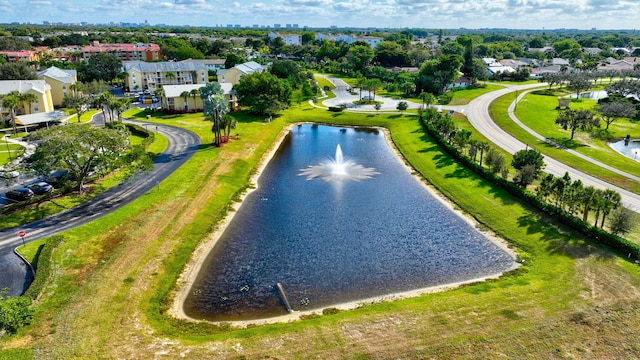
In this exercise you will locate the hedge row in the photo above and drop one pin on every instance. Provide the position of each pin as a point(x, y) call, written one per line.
point(624, 246)
point(42, 265)
point(137, 130)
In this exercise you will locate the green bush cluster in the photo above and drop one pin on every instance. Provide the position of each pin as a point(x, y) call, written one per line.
point(615, 242)
point(335, 108)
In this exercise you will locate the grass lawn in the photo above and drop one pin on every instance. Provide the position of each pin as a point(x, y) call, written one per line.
point(543, 115)
point(570, 298)
point(9, 151)
point(463, 97)
point(84, 118)
point(538, 112)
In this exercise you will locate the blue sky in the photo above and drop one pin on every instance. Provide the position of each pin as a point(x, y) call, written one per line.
point(447, 14)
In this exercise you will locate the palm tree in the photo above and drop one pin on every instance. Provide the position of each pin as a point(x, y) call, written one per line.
point(374, 85)
point(159, 93)
point(361, 83)
point(185, 96)
point(612, 201)
point(29, 98)
point(427, 99)
point(12, 102)
point(171, 76)
point(482, 146)
point(194, 93)
point(586, 199)
point(228, 122)
point(215, 105)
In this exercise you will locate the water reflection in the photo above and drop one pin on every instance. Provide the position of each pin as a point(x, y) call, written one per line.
point(384, 235)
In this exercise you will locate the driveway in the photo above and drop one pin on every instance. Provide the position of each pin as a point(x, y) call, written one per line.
point(13, 273)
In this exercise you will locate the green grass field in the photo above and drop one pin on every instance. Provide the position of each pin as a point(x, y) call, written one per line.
point(103, 265)
point(538, 115)
point(106, 297)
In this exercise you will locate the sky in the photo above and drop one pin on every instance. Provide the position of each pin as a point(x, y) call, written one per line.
point(430, 14)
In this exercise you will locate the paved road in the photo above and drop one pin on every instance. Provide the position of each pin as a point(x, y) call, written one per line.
point(343, 96)
point(477, 111)
point(14, 274)
point(478, 114)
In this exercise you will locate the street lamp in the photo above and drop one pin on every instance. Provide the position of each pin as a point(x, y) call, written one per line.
point(515, 107)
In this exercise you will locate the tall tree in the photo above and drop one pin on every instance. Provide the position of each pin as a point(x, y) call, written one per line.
point(185, 97)
point(28, 99)
point(436, 74)
point(614, 110)
point(194, 94)
point(101, 66)
point(17, 71)
point(622, 221)
point(215, 106)
point(79, 149)
point(531, 157)
point(12, 102)
point(579, 82)
point(263, 92)
point(573, 120)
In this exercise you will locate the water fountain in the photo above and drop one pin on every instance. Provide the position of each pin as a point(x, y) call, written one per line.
point(338, 169)
point(337, 240)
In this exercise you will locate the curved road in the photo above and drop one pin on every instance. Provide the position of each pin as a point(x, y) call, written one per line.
point(478, 114)
point(14, 274)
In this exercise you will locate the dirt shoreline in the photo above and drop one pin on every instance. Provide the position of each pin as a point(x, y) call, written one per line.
point(188, 276)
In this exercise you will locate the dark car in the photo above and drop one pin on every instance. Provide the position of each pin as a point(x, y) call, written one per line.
point(19, 194)
point(58, 178)
point(41, 188)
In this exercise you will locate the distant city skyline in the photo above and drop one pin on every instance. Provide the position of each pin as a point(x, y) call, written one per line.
point(431, 14)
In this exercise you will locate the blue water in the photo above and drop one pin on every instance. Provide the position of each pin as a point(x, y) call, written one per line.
point(631, 151)
point(335, 242)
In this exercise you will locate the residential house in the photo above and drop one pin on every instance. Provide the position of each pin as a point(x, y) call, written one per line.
point(289, 39)
point(124, 52)
point(560, 61)
point(233, 75)
point(176, 101)
point(619, 65)
point(60, 81)
point(498, 68)
point(537, 73)
point(39, 88)
point(152, 75)
point(461, 81)
point(21, 56)
point(515, 64)
point(592, 51)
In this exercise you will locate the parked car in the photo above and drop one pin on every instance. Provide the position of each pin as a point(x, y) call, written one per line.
point(41, 188)
point(9, 174)
point(58, 178)
point(19, 194)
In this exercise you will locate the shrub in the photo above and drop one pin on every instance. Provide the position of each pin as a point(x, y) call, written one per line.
point(335, 108)
point(14, 313)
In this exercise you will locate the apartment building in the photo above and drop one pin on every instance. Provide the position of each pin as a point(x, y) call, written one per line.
point(150, 76)
point(125, 52)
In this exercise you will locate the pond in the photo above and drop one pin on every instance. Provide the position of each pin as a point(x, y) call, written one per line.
point(632, 150)
point(594, 95)
point(337, 217)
